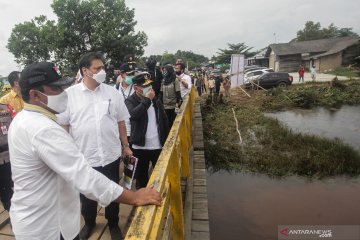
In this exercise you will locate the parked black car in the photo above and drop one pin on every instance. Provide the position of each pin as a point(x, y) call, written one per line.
point(272, 79)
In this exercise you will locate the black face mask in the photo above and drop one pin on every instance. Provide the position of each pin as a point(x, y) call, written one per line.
point(178, 73)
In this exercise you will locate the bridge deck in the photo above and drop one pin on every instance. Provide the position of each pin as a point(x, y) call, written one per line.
point(196, 215)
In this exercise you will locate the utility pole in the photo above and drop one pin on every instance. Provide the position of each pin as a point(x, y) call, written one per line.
point(275, 37)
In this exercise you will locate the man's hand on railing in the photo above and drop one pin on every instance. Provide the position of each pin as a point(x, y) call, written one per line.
point(147, 196)
point(143, 196)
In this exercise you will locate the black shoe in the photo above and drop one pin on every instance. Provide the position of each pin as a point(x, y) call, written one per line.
point(86, 231)
point(115, 233)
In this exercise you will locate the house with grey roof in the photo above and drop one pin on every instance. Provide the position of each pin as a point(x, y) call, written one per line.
point(325, 54)
point(259, 59)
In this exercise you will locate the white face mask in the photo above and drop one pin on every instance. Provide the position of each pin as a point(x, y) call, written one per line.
point(58, 103)
point(100, 76)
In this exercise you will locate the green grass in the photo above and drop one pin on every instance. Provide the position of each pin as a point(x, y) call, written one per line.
point(270, 147)
point(312, 95)
point(344, 71)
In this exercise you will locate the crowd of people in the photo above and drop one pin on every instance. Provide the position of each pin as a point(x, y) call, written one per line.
point(69, 136)
point(211, 84)
point(63, 139)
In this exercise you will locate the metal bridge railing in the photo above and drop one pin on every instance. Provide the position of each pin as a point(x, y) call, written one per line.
point(167, 221)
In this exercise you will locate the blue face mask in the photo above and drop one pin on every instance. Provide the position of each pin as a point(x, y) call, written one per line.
point(129, 80)
point(146, 89)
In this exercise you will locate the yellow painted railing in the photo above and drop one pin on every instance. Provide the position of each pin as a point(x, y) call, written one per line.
point(167, 221)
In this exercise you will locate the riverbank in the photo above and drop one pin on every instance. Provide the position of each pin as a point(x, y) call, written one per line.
point(270, 147)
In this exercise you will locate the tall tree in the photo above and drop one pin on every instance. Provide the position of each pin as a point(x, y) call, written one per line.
point(97, 25)
point(191, 57)
point(168, 58)
point(224, 55)
point(313, 31)
point(346, 32)
point(33, 41)
point(83, 25)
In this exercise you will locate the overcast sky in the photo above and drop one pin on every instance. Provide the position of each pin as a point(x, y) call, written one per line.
point(202, 26)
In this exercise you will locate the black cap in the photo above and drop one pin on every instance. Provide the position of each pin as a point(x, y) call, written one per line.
point(126, 68)
point(142, 79)
point(42, 73)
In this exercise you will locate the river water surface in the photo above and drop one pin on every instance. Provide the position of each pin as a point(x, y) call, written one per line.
point(247, 206)
point(251, 206)
point(343, 123)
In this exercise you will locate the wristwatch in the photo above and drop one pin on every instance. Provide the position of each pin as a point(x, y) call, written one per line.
point(126, 145)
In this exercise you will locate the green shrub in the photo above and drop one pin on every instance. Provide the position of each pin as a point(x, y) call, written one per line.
point(343, 71)
point(304, 98)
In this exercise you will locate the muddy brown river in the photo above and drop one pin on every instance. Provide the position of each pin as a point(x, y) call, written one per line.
point(251, 206)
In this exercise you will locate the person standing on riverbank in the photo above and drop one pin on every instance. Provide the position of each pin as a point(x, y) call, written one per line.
point(301, 72)
point(227, 86)
point(211, 85)
point(199, 84)
point(313, 72)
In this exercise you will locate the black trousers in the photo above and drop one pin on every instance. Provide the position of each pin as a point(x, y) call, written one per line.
point(142, 169)
point(199, 90)
point(171, 115)
point(217, 89)
point(204, 88)
point(211, 91)
point(89, 207)
point(6, 185)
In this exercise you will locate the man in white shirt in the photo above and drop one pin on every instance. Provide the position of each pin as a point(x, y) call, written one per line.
point(184, 79)
point(95, 118)
point(149, 126)
point(48, 169)
point(313, 72)
point(126, 88)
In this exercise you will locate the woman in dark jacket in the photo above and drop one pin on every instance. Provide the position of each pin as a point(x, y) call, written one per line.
point(170, 93)
point(149, 126)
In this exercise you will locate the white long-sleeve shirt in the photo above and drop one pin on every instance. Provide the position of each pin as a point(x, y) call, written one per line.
point(93, 117)
point(49, 171)
point(125, 93)
point(313, 71)
point(185, 90)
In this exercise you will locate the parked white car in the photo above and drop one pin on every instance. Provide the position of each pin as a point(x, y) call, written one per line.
point(252, 75)
point(253, 69)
